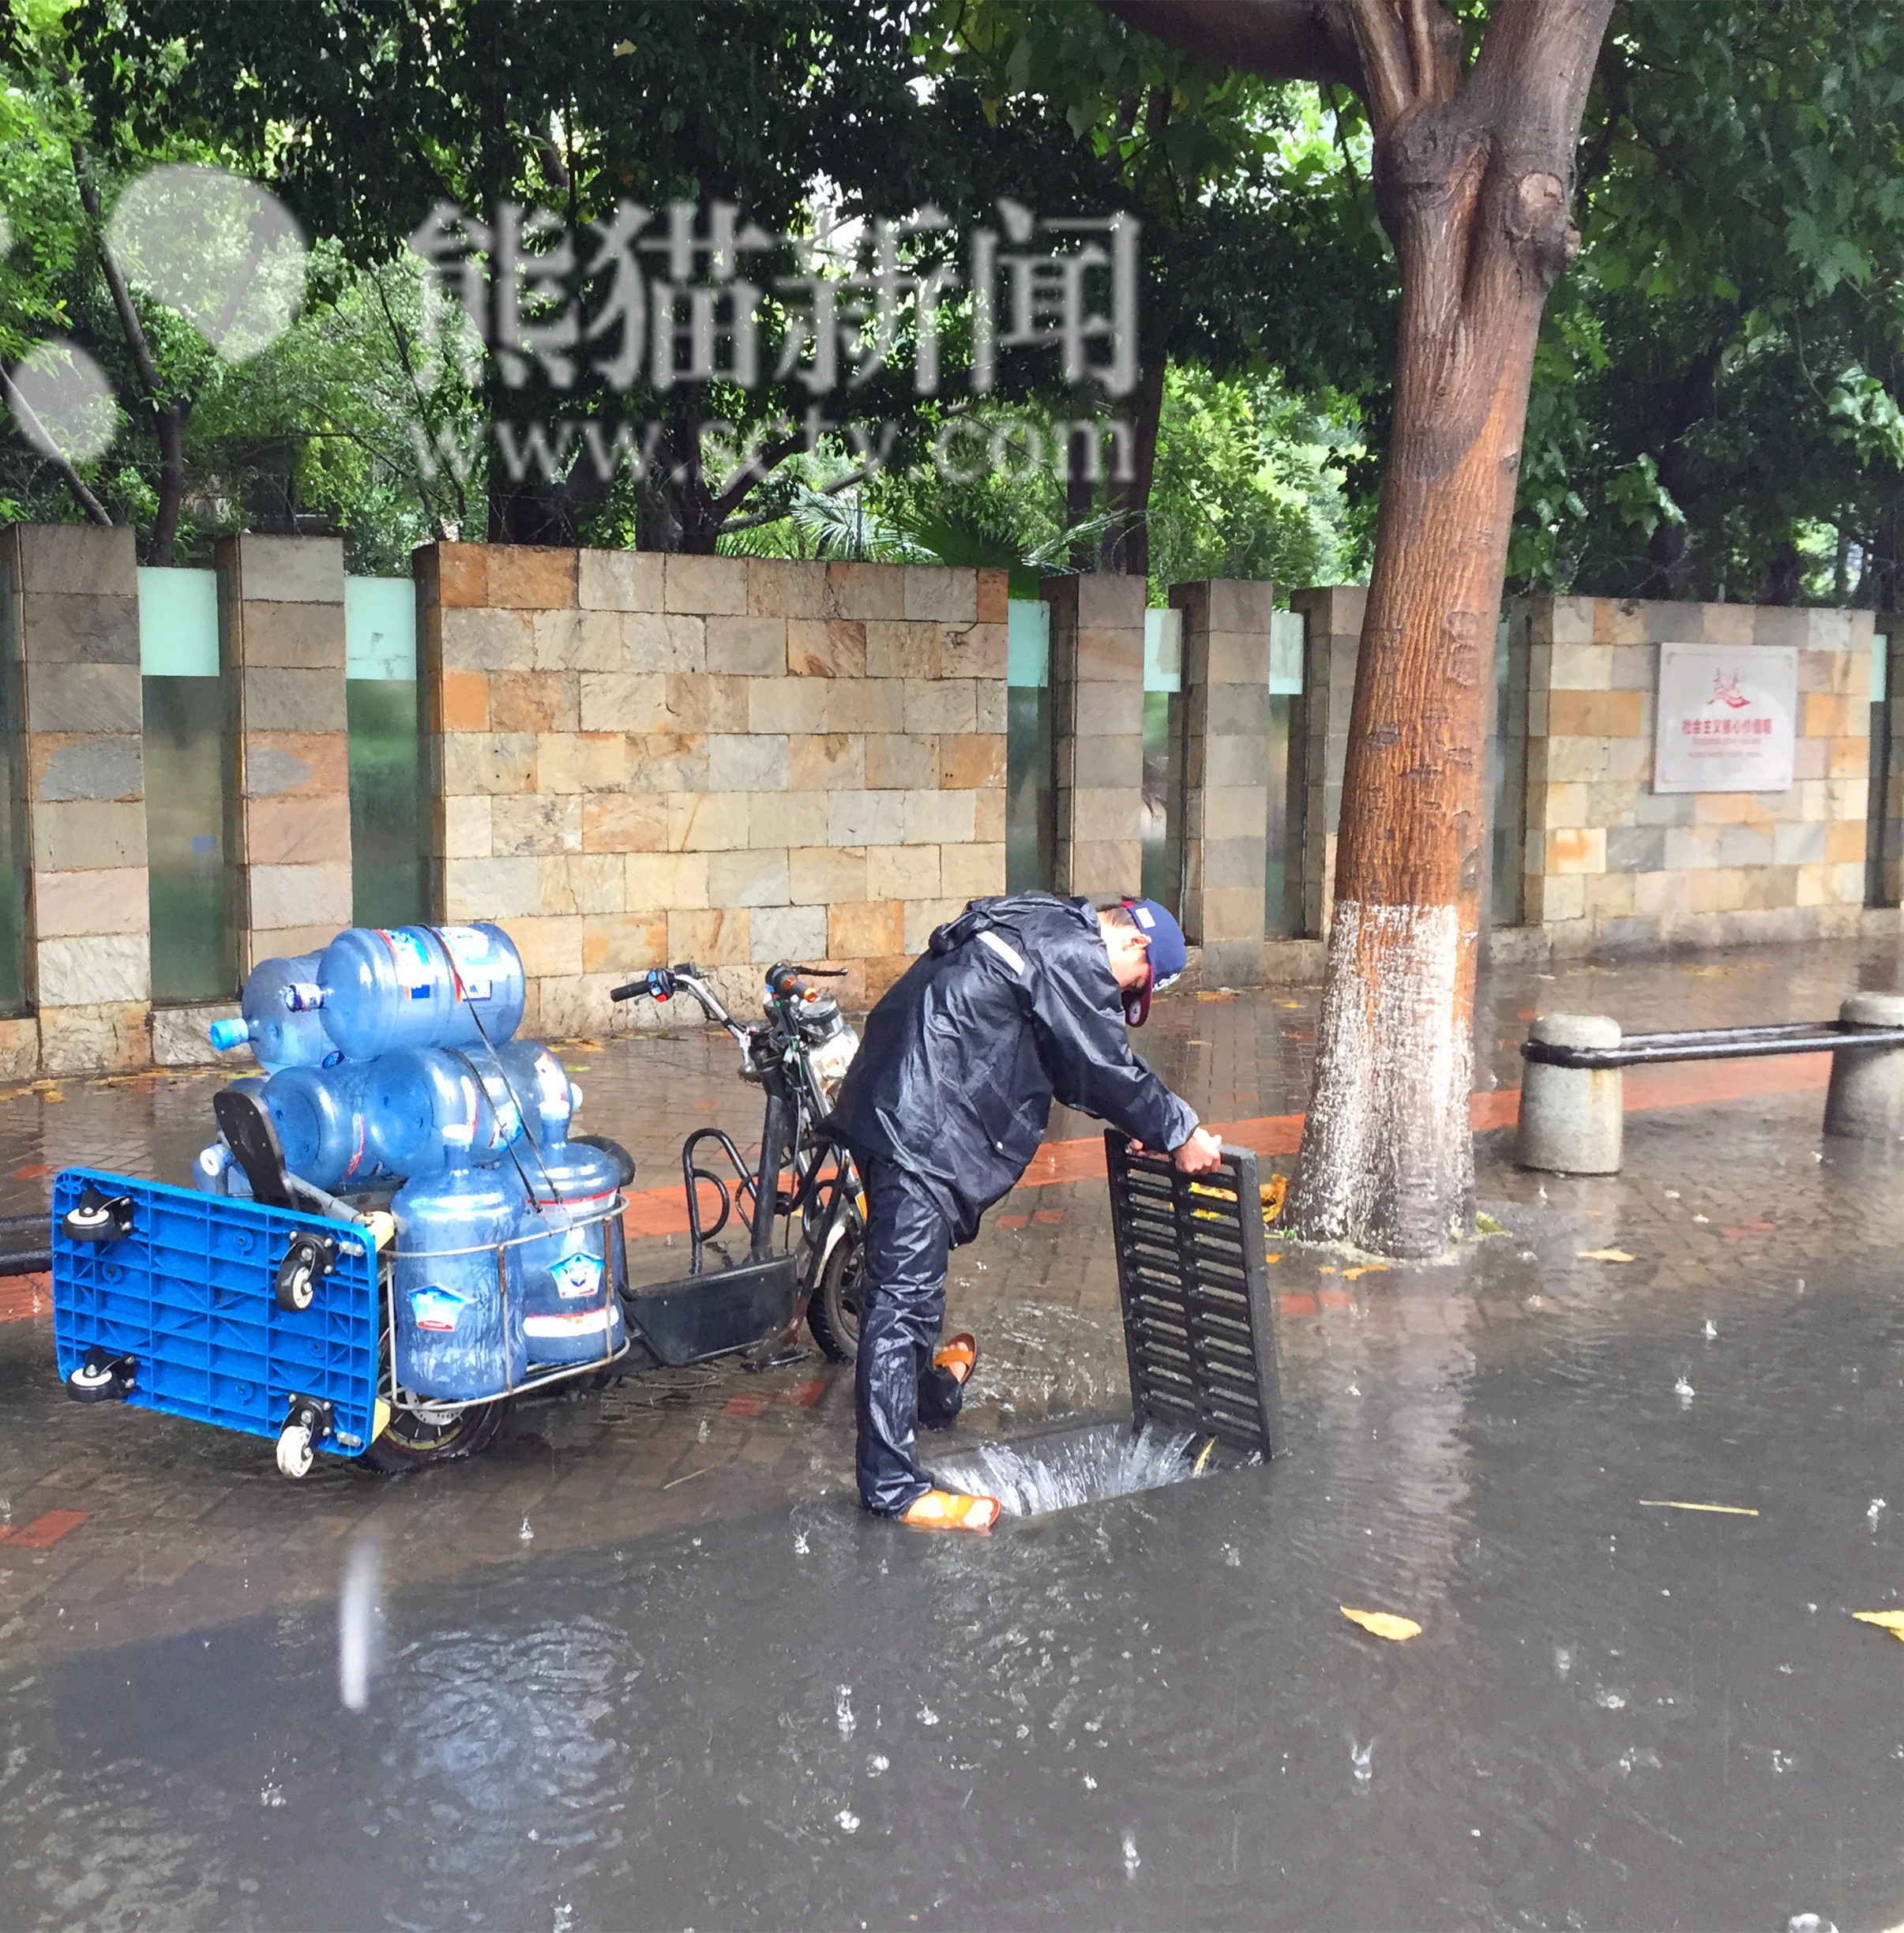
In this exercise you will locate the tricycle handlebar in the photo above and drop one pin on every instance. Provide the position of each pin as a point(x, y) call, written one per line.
point(663, 983)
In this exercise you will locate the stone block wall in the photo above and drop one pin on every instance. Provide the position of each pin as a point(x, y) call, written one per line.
point(1612, 866)
point(281, 626)
point(1226, 803)
point(71, 594)
point(1097, 711)
point(637, 759)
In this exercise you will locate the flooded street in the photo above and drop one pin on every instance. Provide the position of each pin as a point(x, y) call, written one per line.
point(644, 1664)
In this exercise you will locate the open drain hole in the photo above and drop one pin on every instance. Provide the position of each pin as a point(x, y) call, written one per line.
point(1058, 1469)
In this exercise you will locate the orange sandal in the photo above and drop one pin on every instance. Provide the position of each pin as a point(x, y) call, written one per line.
point(951, 1510)
point(958, 1357)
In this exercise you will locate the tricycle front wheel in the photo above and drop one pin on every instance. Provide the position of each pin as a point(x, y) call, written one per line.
point(832, 1314)
point(414, 1440)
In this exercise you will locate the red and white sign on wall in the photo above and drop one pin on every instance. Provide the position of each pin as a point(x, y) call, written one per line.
point(1726, 718)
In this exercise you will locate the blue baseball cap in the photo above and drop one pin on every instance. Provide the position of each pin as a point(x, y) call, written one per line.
point(1169, 953)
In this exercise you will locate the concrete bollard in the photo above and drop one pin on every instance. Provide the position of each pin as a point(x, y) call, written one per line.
point(1865, 1100)
point(1571, 1118)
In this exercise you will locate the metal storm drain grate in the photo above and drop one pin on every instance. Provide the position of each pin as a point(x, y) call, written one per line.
point(1199, 1320)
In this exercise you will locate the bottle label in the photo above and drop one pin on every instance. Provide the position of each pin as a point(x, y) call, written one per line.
point(435, 1309)
point(411, 957)
point(575, 1276)
point(470, 949)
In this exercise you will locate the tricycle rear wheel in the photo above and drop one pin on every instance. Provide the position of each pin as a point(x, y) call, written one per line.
point(413, 1439)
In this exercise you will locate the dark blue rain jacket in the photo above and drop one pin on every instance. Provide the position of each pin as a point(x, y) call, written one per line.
point(1012, 1003)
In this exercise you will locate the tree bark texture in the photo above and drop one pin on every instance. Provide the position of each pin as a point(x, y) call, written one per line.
point(1472, 175)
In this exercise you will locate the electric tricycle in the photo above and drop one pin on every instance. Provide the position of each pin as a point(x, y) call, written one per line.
point(387, 1248)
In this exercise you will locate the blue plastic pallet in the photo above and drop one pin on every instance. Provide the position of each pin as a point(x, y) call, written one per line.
point(190, 1296)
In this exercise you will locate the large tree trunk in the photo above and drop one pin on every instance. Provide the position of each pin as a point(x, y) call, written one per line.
point(1475, 188)
point(1127, 544)
point(1473, 177)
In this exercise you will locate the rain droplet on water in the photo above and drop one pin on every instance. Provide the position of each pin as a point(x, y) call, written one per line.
point(1607, 1699)
point(877, 1763)
point(1683, 1390)
point(705, 1431)
point(1131, 1862)
point(1563, 1660)
point(1360, 1757)
point(800, 1546)
point(928, 1716)
point(1875, 1511)
point(1711, 1329)
point(526, 1535)
point(1232, 1557)
point(843, 1710)
point(357, 1620)
point(1809, 1922)
point(849, 1822)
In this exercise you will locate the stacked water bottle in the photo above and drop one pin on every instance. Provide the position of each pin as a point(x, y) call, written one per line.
point(389, 1057)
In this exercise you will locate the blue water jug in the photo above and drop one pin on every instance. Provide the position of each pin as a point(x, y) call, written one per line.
point(277, 1037)
point(430, 1113)
point(572, 1312)
point(381, 989)
point(527, 1074)
point(456, 1291)
point(323, 1118)
point(214, 1171)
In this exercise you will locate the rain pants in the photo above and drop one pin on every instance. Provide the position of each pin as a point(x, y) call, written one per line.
point(1012, 1004)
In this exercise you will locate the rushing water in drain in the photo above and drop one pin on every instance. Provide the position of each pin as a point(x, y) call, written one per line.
point(1059, 1471)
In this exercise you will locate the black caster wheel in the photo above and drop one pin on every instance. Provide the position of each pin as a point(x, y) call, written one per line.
point(101, 1378)
point(307, 1424)
point(97, 1218)
point(308, 1260)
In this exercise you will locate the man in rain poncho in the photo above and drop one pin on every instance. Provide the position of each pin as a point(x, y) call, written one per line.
point(1016, 1002)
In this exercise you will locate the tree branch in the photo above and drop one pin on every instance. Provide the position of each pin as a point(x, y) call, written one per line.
point(115, 282)
point(1433, 42)
point(1289, 40)
point(825, 489)
point(1384, 56)
point(29, 420)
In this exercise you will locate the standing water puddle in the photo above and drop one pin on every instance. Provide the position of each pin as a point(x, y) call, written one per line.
point(1065, 1467)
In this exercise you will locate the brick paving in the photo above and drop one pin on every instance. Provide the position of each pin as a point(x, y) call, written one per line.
point(116, 1524)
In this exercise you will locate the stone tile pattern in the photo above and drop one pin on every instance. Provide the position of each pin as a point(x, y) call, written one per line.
point(71, 597)
point(1097, 711)
point(281, 630)
point(1225, 700)
point(636, 759)
point(1332, 622)
point(1611, 865)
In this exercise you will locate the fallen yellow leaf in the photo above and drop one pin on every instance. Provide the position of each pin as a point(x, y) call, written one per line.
point(1605, 1255)
point(1382, 1623)
point(1892, 1621)
point(1272, 1257)
point(1367, 1268)
point(1718, 1510)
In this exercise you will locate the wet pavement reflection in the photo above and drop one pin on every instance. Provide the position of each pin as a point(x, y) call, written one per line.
point(645, 1665)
